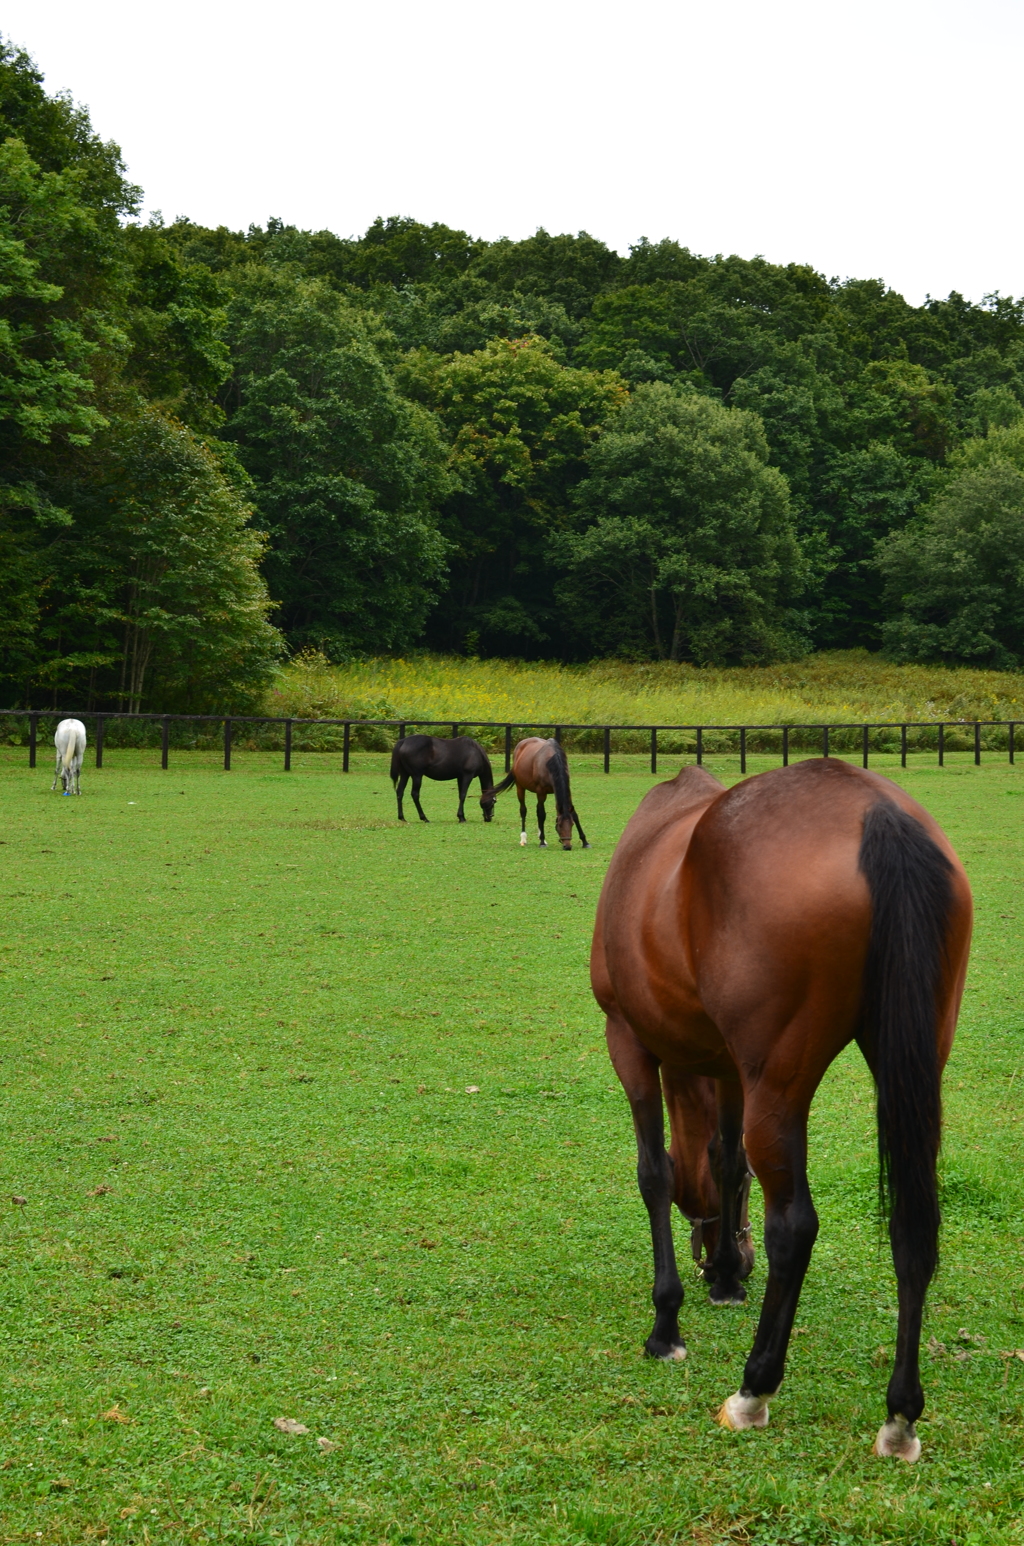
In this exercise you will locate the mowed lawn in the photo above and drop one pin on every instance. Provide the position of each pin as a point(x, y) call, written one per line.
point(242, 1015)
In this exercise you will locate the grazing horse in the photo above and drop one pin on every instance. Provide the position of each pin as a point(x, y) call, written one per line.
point(419, 756)
point(69, 739)
point(541, 766)
point(743, 939)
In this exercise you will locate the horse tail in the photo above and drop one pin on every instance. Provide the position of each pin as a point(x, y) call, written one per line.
point(70, 746)
point(911, 900)
point(558, 767)
point(506, 783)
point(396, 763)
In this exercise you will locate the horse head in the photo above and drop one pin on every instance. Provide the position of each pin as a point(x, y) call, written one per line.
point(563, 826)
point(487, 803)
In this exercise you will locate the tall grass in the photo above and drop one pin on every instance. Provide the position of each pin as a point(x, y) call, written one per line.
point(842, 685)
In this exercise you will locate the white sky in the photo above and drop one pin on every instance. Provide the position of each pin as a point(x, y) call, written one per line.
point(881, 138)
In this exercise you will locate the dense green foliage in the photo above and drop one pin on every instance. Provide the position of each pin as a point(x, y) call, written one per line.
point(257, 1187)
point(129, 572)
point(686, 545)
point(956, 574)
point(430, 431)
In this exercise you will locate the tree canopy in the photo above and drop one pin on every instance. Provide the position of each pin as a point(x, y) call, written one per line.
point(418, 437)
point(686, 543)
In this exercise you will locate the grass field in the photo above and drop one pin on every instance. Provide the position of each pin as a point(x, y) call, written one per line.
point(244, 1013)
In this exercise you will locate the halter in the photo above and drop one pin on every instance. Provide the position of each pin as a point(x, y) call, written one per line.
point(697, 1225)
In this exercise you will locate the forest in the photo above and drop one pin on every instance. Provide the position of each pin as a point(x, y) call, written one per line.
point(219, 449)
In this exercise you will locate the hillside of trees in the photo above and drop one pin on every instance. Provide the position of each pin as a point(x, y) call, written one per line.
point(220, 447)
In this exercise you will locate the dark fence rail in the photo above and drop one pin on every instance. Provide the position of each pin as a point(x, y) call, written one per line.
point(702, 740)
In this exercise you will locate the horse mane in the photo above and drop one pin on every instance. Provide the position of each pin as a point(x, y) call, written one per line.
point(558, 767)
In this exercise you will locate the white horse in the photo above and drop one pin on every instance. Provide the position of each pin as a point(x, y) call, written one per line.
point(69, 739)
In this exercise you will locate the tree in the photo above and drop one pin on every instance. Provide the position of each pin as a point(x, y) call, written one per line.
point(955, 576)
point(153, 594)
point(519, 425)
point(345, 472)
point(686, 545)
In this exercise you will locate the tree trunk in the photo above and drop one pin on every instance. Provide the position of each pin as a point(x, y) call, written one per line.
point(677, 631)
point(654, 623)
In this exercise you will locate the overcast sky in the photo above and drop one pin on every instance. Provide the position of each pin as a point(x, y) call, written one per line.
point(881, 138)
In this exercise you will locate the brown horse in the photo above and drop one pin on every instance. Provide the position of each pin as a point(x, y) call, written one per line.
point(743, 939)
point(541, 766)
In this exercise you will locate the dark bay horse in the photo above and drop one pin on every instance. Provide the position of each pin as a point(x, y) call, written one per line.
point(541, 767)
point(428, 756)
point(743, 939)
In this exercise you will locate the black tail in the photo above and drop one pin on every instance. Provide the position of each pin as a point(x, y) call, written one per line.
point(558, 767)
point(506, 783)
point(396, 763)
point(911, 899)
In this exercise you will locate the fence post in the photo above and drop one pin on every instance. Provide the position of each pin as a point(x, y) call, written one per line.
point(455, 730)
point(743, 748)
point(33, 726)
point(508, 747)
point(99, 740)
point(1011, 742)
point(165, 733)
point(903, 746)
point(977, 743)
point(942, 744)
point(824, 740)
point(700, 745)
point(227, 745)
point(287, 745)
point(785, 746)
point(345, 744)
point(865, 745)
point(558, 734)
point(654, 748)
point(401, 731)
point(607, 748)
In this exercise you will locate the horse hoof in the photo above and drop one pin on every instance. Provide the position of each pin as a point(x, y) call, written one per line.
point(897, 1438)
point(523, 840)
point(665, 1353)
point(542, 843)
point(736, 1295)
point(584, 845)
point(741, 1412)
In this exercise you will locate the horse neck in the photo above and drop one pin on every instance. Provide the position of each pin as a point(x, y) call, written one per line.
point(486, 775)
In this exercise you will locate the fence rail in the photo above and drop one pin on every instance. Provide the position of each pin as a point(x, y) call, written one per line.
point(102, 718)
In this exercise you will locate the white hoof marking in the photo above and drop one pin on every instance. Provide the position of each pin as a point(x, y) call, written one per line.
point(676, 1355)
point(742, 1411)
point(522, 839)
point(897, 1437)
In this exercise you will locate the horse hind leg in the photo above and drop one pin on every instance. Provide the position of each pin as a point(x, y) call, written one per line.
point(400, 791)
point(638, 1074)
point(416, 785)
point(777, 1148)
point(522, 819)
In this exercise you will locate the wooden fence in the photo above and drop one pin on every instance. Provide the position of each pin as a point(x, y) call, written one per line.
point(100, 719)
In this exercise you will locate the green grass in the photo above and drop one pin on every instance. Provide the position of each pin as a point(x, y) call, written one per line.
point(250, 1005)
